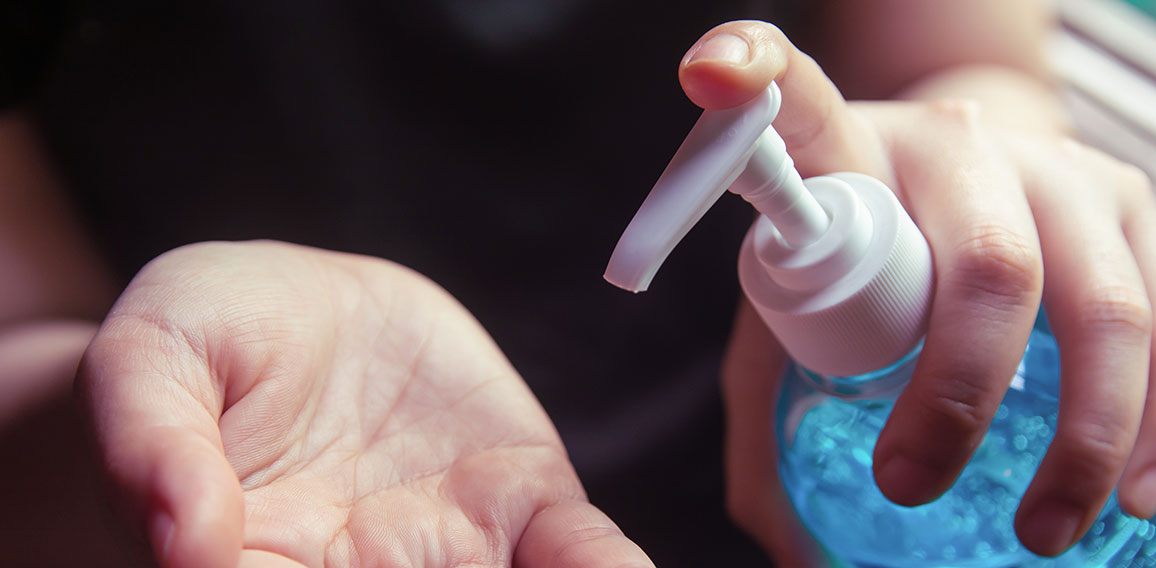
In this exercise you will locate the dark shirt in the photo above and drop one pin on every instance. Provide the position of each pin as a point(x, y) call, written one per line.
point(499, 147)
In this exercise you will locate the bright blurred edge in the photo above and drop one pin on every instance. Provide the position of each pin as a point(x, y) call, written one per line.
point(1105, 53)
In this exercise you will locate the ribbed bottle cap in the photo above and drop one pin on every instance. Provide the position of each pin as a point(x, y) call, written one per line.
point(857, 299)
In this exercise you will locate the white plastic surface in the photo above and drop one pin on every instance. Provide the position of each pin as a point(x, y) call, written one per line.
point(857, 299)
point(773, 186)
point(712, 158)
point(834, 265)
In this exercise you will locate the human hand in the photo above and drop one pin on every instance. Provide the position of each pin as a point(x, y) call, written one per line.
point(1003, 211)
point(264, 404)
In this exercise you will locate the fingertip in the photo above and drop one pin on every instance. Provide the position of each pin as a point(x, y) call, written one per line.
point(922, 449)
point(574, 534)
point(1050, 528)
point(908, 482)
point(732, 63)
point(1137, 494)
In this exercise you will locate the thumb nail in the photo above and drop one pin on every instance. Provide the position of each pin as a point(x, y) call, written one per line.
point(728, 48)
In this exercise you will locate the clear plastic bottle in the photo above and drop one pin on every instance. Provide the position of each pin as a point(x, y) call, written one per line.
point(827, 428)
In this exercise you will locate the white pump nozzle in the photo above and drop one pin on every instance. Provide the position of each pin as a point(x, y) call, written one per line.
point(733, 148)
point(833, 261)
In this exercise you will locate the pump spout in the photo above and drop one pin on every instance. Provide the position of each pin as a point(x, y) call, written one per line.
point(733, 148)
point(774, 187)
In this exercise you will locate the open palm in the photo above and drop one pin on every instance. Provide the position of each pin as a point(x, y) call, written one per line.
point(273, 405)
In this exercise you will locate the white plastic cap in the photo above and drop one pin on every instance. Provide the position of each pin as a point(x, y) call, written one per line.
point(834, 265)
point(857, 299)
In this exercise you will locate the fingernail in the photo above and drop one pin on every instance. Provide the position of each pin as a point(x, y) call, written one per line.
point(1144, 495)
point(906, 481)
point(722, 47)
point(1051, 529)
point(161, 534)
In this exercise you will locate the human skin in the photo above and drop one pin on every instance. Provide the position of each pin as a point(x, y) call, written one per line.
point(50, 274)
point(265, 404)
point(997, 205)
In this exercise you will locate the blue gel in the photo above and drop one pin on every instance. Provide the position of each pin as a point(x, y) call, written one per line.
point(827, 428)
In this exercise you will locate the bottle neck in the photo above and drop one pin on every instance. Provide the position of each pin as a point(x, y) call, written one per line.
point(880, 383)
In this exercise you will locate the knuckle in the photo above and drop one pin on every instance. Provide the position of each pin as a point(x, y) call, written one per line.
point(1073, 151)
point(959, 112)
point(1129, 180)
point(1000, 266)
point(762, 32)
point(1118, 310)
point(960, 406)
point(1134, 177)
point(1072, 148)
point(1096, 448)
point(1134, 183)
point(957, 120)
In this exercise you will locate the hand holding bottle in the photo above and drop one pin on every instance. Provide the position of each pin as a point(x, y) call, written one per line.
point(1003, 210)
point(263, 404)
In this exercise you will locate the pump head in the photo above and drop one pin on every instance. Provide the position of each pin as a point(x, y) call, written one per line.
point(834, 265)
point(734, 148)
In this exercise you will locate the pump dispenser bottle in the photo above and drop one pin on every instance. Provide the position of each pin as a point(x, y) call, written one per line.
point(843, 278)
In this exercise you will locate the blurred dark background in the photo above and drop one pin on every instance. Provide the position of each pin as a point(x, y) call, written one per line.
point(499, 147)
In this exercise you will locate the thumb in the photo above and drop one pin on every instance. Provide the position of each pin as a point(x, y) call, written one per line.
point(735, 61)
point(153, 411)
point(576, 534)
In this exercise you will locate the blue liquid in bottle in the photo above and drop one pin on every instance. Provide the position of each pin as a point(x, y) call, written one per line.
point(827, 428)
